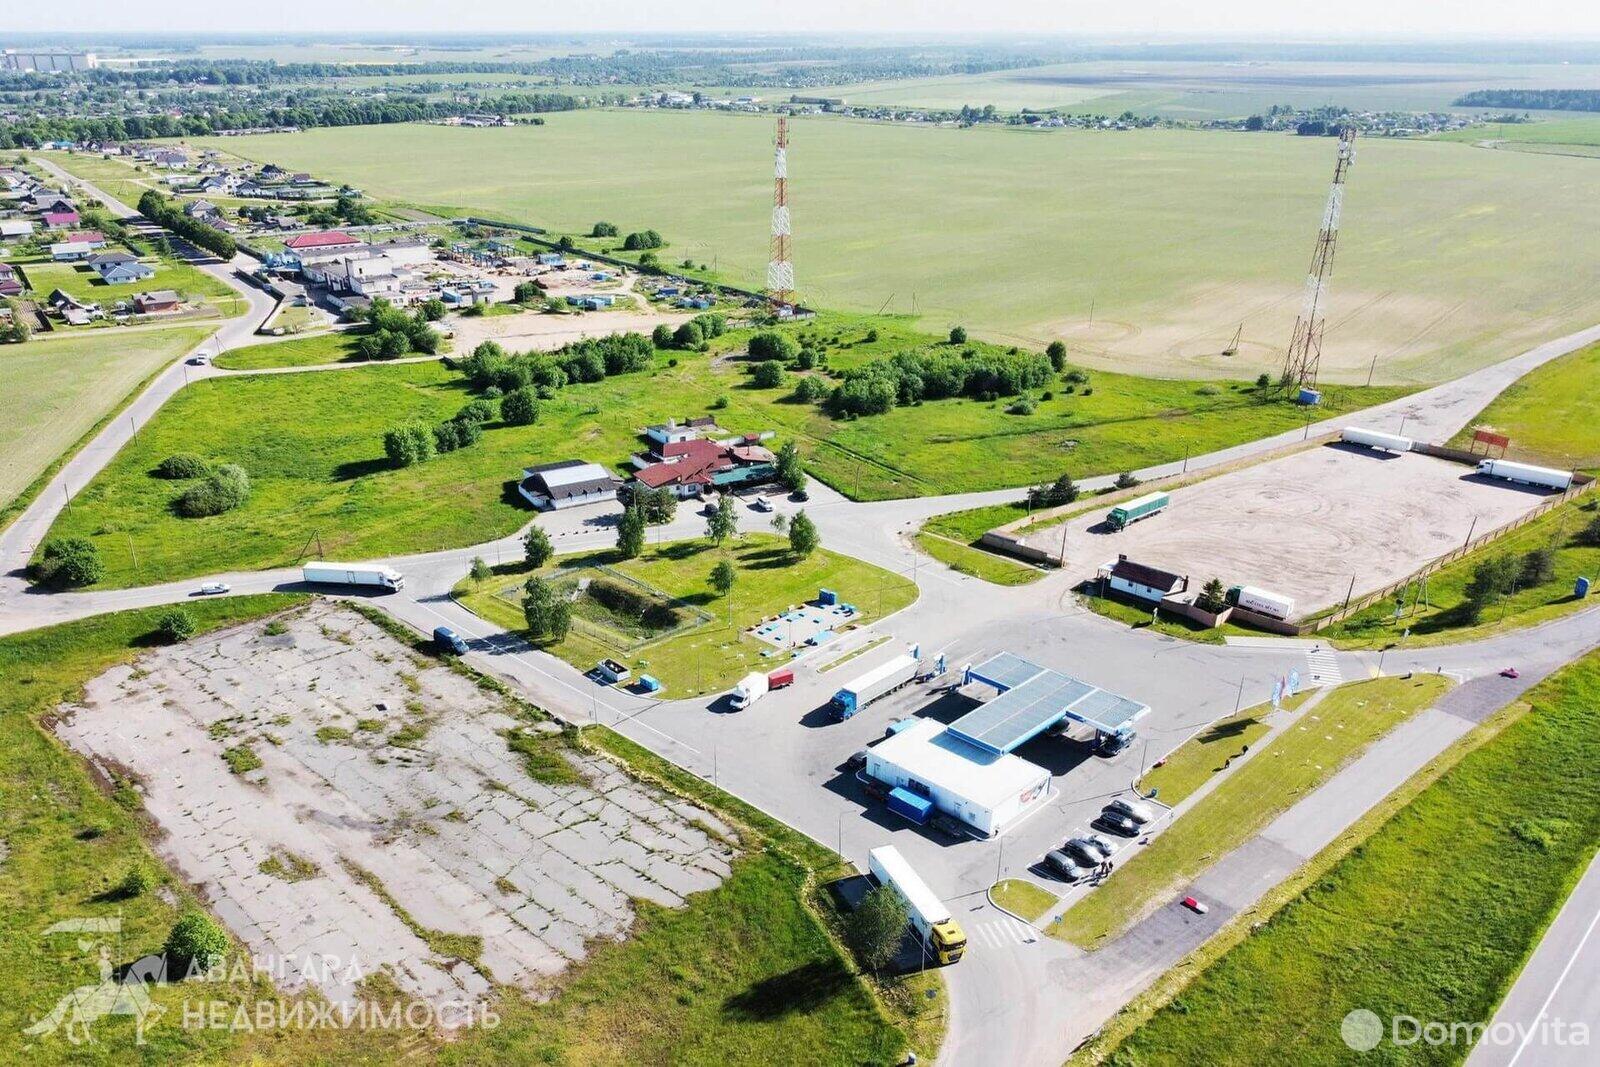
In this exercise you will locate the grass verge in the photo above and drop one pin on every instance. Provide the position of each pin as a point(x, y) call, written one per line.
point(1207, 753)
point(1022, 898)
point(1548, 413)
point(1306, 754)
point(1363, 925)
point(976, 562)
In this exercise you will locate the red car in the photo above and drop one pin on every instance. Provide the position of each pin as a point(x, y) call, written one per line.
point(1510, 672)
point(1195, 906)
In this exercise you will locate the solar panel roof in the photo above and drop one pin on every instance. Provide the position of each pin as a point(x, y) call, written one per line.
point(1033, 700)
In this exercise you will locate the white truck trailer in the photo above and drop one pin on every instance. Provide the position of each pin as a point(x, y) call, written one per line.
point(370, 574)
point(939, 933)
point(1262, 601)
point(1392, 442)
point(1526, 473)
point(880, 681)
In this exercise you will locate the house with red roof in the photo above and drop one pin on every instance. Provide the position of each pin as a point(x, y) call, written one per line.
point(92, 238)
point(321, 239)
point(61, 220)
point(697, 466)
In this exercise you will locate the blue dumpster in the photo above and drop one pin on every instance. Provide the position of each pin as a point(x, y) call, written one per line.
point(904, 802)
point(1581, 588)
point(648, 684)
point(1308, 396)
point(827, 597)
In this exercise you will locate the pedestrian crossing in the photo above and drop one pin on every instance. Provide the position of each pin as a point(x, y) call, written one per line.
point(1322, 665)
point(1004, 932)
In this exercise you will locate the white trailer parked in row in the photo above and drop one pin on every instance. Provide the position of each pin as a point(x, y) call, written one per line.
point(323, 573)
point(1393, 442)
point(1262, 602)
point(931, 920)
point(1526, 473)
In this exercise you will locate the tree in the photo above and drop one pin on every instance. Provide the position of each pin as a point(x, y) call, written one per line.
point(630, 533)
point(603, 229)
point(68, 561)
point(538, 601)
point(791, 472)
point(1491, 580)
point(769, 344)
point(780, 522)
point(432, 309)
point(175, 626)
point(660, 506)
point(722, 577)
point(1538, 567)
point(688, 335)
point(1056, 352)
point(528, 292)
point(876, 927)
point(1061, 491)
point(408, 444)
point(803, 536)
point(724, 522)
point(520, 407)
point(1127, 480)
point(1263, 381)
point(810, 389)
point(221, 491)
point(559, 623)
point(536, 547)
point(1213, 598)
point(480, 570)
point(661, 336)
point(196, 942)
point(958, 335)
point(767, 375)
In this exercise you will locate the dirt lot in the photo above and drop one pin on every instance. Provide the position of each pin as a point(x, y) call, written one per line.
point(386, 810)
point(1304, 525)
point(533, 330)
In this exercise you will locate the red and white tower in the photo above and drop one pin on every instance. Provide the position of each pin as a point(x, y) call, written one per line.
point(1305, 347)
point(780, 269)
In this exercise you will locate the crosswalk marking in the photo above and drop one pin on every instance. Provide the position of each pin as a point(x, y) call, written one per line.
point(1323, 666)
point(1003, 933)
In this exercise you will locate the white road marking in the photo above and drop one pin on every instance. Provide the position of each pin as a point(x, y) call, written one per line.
point(1554, 989)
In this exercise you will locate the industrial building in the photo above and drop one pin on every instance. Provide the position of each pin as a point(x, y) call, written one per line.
point(567, 484)
point(969, 771)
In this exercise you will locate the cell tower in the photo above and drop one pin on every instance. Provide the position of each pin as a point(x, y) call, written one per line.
point(780, 270)
point(1305, 347)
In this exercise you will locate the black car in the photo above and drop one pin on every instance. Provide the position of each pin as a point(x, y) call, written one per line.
point(857, 760)
point(799, 496)
point(1087, 851)
point(1116, 823)
point(1065, 866)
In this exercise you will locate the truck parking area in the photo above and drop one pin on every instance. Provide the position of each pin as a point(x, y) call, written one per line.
point(1304, 525)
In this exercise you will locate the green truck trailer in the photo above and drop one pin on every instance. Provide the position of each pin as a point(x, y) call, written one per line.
point(1134, 510)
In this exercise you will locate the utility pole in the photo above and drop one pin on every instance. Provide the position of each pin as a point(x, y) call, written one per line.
point(1350, 593)
point(1470, 531)
point(1238, 701)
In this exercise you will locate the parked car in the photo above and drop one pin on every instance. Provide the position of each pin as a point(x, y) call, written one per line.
point(1116, 823)
point(800, 496)
point(214, 588)
point(447, 640)
point(199, 360)
point(857, 760)
point(1088, 850)
point(1066, 866)
point(760, 503)
point(949, 826)
point(1195, 906)
point(1133, 809)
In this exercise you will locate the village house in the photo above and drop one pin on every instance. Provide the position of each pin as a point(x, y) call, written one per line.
point(120, 268)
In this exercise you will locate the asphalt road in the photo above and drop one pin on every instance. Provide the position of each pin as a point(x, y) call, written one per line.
point(1016, 999)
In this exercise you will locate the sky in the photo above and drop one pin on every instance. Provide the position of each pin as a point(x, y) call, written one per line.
point(1256, 18)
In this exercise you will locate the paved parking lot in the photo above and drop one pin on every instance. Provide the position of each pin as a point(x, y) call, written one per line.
point(1306, 524)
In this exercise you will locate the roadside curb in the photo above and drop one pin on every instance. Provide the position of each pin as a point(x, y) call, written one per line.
point(988, 894)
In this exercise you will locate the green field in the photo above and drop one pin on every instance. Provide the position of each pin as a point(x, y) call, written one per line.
point(124, 181)
point(1444, 618)
point(716, 981)
point(714, 654)
point(1371, 931)
point(58, 389)
point(336, 347)
point(312, 445)
point(83, 284)
point(1307, 753)
point(1550, 414)
point(1143, 250)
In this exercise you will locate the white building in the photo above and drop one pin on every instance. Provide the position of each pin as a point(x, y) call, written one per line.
point(568, 484)
point(1142, 581)
point(988, 791)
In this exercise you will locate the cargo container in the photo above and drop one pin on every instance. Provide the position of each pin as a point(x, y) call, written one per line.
point(611, 671)
point(1122, 515)
point(880, 681)
point(780, 678)
point(1526, 473)
point(931, 920)
point(1392, 442)
point(353, 574)
point(1261, 601)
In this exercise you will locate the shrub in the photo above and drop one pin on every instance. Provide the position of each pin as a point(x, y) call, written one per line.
point(1127, 480)
point(1062, 491)
point(603, 229)
point(1590, 534)
point(528, 292)
point(176, 626)
point(772, 345)
point(223, 489)
point(1076, 377)
point(519, 407)
point(182, 465)
point(871, 337)
point(408, 444)
point(688, 335)
point(1056, 353)
point(1263, 380)
point(642, 239)
point(767, 375)
point(1021, 406)
point(719, 403)
point(476, 411)
point(958, 335)
point(447, 436)
point(136, 883)
point(1538, 566)
point(1213, 598)
point(661, 336)
point(196, 941)
point(809, 390)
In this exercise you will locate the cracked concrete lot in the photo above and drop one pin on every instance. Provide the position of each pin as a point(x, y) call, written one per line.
point(386, 809)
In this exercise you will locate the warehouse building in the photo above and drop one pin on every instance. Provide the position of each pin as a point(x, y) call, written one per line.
point(567, 484)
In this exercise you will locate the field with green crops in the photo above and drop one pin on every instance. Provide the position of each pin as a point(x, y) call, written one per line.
point(1142, 250)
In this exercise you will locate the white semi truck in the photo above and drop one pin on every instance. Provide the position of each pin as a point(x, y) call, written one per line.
point(939, 933)
point(1393, 442)
point(370, 574)
point(1526, 473)
point(1262, 601)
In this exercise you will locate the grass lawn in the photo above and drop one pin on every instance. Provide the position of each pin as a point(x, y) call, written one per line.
point(125, 181)
point(1549, 414)
point(1206, 753)
point(312, 445)
point(1446, 618)
point(1023, 898)
point(713, 655)
point(80, 282)
point(73, 383)
point(745, 973)
point(1372, 932)
point(1295, 762)
point(1135, 247)
point(967, 559)
point(336, 347)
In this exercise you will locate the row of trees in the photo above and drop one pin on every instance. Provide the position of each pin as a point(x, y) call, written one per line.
point(912, 377)
point(393, 332)
point(590, 360)
point(159, 210)
point(416, 442)
point(691, 335)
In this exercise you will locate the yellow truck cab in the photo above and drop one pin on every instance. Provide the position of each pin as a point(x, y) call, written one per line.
point(948, 942)
point(941, 936)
